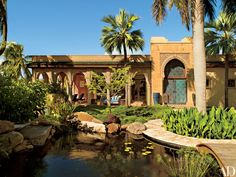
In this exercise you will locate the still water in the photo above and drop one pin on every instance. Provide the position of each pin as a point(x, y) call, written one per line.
point(90, 155)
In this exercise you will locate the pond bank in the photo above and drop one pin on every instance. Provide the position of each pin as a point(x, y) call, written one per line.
point(157, 133)
point(23, 137)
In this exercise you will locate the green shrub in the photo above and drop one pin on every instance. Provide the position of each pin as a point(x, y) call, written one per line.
point(21, 100)
point(217, 124)
point(58, 110)
point(140, 111)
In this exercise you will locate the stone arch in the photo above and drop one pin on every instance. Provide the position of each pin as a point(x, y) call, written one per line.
point(139, 88)
point(63, 80)
point(80, 86)
point(42, 76)
point(174, 57)
point(174, 82)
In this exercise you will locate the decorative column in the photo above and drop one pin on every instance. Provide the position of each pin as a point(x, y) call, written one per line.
point(128, 91)
point(88, 76)
point(70, 83)
point(108, 81)
point(51, 77)
point(34, 76)
point(129, 99)
point(148, 88)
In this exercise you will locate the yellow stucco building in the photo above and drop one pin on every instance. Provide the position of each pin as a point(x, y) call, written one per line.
point(165, 76)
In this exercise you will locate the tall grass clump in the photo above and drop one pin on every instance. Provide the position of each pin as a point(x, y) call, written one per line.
point(189, 163)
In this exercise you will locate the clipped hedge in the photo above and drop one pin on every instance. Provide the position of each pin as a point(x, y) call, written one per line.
point(216, 124)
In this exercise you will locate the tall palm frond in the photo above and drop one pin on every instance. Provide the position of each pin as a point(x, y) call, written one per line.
point(3, 24)
point(119, 35)
point(15, 59)
point(185, 8)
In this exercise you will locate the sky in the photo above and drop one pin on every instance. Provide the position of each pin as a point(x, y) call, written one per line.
point(73, 27)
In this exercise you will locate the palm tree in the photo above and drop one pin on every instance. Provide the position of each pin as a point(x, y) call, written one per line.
point(3, 24)
point(192, 12)
point(119, 35)
point(15, 60)
point(220, 39)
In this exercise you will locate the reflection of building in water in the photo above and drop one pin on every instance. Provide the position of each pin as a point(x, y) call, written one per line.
point(164, 76)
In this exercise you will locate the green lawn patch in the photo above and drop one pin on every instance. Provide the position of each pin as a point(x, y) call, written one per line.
point(126, 114)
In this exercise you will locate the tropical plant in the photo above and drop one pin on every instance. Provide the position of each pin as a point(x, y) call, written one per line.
point(192, 12)
point(3, 24)
point(119, 35)
point(220, 38)
point(217, 124)
point(59, 110)
point(187, 162)
point(14, 59)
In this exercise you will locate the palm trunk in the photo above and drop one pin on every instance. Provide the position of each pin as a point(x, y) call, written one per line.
point(226, 79)
point(126, 86)
point(4, 26)
point(125, 52)
point(199, 56)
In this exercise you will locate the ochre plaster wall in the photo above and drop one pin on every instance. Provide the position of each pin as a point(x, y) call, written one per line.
point(215, 92)
point(163, 51)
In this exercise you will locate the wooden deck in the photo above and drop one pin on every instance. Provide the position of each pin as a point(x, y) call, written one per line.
point(225, 154)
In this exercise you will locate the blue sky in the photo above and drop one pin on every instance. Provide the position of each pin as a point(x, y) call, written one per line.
point(60, 27)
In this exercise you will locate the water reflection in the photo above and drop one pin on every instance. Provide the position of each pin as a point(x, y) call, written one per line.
point(87, 155)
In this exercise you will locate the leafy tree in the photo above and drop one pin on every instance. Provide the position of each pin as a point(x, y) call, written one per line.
point(14, 58)
point(118, 80)
point(192, 12)
point(119, 35)
point(220, 38)
point(3, 24)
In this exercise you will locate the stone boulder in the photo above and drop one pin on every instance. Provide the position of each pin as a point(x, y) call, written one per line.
point(124, 127)
point(9, 141)
point(25, 146)
point(18, 127)
point(37, 135)
point(112, 119)
point(136, 128)
point(6, 126)
point(92, 127)
point(113, 128)
point(84, 116)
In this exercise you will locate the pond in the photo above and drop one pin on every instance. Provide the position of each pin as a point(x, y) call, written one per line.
point(90, 155)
